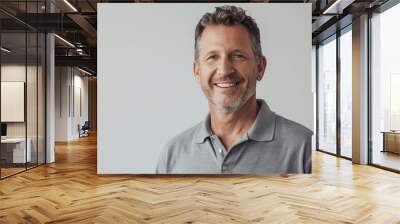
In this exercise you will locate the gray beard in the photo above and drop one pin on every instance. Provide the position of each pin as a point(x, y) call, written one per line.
point(236, 104)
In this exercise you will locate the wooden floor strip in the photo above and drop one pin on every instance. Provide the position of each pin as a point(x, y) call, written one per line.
point(70, 191)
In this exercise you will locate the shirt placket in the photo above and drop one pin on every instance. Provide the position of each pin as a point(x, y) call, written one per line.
point(219, 149)
point(222, 155)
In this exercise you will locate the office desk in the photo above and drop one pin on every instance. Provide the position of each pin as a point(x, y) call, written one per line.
point(13, 150)
point(391, 141)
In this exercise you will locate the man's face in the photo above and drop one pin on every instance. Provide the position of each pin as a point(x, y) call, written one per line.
point(227, 69)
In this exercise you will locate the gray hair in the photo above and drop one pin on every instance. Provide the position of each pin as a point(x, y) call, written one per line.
point(229, 15)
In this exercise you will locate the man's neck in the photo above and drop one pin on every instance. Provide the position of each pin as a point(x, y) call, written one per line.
point(231, 126)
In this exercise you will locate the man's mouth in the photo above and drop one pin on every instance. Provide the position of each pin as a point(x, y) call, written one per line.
point(227, 84)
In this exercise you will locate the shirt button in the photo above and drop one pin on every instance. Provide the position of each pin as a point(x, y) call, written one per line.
point(220, 150)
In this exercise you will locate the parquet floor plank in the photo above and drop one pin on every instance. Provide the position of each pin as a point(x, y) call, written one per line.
point(70, 191)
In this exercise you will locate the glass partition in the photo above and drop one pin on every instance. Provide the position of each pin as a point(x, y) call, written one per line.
point(13, 109)
point(22, 63)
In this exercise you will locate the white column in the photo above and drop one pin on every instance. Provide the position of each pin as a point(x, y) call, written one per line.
point(360, 90)
point(50, 92)
point(50, 100)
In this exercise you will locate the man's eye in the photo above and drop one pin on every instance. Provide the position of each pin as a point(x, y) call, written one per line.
point(211, 57)
point(238, 56)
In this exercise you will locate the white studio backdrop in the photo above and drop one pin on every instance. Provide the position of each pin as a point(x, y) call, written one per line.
point(146, 89)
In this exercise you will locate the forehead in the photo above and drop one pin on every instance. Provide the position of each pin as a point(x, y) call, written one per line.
point(218, 37)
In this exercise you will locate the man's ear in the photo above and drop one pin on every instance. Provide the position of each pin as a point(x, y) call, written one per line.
point(261, 66)
point(196, 71)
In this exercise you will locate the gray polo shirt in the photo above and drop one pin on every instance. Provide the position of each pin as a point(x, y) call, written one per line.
point(273, 144)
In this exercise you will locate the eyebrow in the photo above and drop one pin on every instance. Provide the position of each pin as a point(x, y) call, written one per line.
point(239, 51)
point(233, 52)
point(210, 52)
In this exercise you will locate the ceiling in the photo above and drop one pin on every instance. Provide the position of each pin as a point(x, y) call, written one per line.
point(76, 22)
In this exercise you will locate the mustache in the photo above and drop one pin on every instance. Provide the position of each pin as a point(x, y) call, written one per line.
point(227, 78)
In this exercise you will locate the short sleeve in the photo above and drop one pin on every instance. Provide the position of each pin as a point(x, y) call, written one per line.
point(162, 162)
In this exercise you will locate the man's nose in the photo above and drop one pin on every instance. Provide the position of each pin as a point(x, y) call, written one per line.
point(225, 67)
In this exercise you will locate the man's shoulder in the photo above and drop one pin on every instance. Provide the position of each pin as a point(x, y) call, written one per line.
point(175, 148)
point(292, 129)
point(183, 138)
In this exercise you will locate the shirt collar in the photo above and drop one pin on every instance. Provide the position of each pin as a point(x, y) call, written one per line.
point(262, 129)
point(203, 130)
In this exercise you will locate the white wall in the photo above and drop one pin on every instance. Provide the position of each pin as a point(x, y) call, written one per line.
point(61, 103)
point(68, 81)
point(79, 117)
point(146, 90)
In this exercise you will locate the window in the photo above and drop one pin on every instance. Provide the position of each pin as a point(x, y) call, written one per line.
point(385, 88)
point(327, 96)
point(346, 94)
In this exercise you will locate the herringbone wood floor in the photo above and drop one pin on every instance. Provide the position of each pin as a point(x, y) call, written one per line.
point(70, 191)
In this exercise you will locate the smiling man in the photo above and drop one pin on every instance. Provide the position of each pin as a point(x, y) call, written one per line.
point(241, 134)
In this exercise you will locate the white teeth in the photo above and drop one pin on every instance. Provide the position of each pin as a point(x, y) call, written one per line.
point(226, 85)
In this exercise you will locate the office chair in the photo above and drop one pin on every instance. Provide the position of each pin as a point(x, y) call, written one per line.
point(84, 130)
